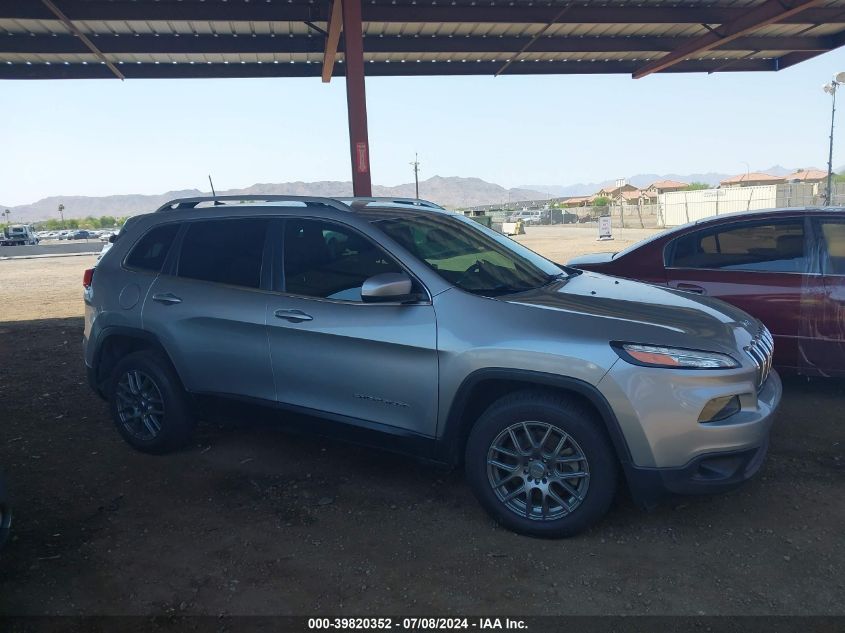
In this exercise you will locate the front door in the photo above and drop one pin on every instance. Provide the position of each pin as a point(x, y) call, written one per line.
point(759, 266)
point(333, 353)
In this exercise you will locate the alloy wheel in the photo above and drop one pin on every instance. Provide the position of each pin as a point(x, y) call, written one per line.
point(538, 471)
point(140, 405)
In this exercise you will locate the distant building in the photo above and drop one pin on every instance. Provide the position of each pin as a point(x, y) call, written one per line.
point(578, 201)
point(664, 186)
point(613, 191)
point(810, 176)
point(636, 197)
point(752, 179)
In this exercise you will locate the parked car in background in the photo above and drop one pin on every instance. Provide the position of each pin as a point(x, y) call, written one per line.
point(420, 330)
point(528, 217)
point(79, 235)
point(784, 266)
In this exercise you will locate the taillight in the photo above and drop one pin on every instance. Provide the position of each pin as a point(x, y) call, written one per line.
point(87, 278)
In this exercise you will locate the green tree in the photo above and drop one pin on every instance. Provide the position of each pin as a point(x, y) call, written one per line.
point(695, 186)
point(601, 201)
point(72, 224)
point(107, 221)
point(52, 224)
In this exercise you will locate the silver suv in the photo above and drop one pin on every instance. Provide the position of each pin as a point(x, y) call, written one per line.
point(397, 323)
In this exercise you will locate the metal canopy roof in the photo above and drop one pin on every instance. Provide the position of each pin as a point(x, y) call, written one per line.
point(74, 39)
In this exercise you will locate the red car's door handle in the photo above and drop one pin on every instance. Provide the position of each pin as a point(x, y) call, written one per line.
point(690, 288)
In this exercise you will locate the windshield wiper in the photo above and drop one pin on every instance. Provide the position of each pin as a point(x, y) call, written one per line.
point(550, 279)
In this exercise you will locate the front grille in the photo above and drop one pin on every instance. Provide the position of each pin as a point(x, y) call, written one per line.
point(761, 350)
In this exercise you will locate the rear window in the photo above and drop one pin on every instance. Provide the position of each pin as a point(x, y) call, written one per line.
point(763, 247)
point(224, 251)
point(151, 250)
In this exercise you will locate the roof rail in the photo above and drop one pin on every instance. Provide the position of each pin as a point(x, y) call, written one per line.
point(417, 202)
point(190, 203)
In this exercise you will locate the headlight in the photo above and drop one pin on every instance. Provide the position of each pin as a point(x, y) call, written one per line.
point(673, 357)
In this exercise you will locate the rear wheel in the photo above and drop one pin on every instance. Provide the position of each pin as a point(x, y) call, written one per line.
point(541, 464)
point(148, 405)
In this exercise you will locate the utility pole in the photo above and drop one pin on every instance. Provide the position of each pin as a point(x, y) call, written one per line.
point(62, 214)
point(416, 166)
point(830, 88)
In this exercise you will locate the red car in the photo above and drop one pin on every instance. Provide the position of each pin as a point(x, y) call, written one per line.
point(784, 266)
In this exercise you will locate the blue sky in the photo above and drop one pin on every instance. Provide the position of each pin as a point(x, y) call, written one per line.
point(150, 136)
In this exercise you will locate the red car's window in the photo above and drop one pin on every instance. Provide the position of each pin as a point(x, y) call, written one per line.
point(834, 237)
point(769, 246)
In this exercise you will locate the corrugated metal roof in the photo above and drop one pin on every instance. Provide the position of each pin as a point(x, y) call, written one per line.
point(401, 37)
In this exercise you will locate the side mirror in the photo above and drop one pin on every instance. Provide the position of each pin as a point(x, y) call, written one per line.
point(386, 287)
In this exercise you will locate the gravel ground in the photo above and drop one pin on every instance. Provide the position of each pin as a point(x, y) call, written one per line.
point(252, 520)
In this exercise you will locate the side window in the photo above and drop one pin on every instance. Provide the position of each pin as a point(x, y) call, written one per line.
point(224, 251)
point(834, 238)
point(329, 261)
point(764, 247)
point(151, 250)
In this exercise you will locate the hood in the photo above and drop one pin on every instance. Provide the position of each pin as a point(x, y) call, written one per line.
point(636, 312)
point(592, 258)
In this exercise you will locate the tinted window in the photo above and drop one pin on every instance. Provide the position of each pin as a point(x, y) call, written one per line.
point(834, 238)
point(770, 247)
point(224, 251)
point(151, 250)
point(330, 261)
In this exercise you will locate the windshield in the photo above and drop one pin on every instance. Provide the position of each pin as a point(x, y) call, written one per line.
point(467, 254)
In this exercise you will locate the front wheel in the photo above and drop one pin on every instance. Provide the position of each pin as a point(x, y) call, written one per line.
point(541, 464)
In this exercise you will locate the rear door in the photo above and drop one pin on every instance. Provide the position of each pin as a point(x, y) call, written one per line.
point(331, 352)
point(760, 266)
point(208, 308)
point(826, 322)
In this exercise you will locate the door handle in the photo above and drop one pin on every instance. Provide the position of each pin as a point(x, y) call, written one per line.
point(294, 316)
point(167, 298)
point(691, 288)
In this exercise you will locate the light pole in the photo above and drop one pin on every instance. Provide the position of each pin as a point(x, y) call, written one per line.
point(830, 88)
point(416, 166)
point(62, 214)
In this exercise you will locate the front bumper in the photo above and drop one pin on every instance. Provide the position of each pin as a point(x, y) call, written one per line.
point(671, 452)
point(706, 474)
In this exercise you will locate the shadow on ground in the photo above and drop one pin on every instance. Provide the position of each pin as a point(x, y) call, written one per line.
point(253, 520)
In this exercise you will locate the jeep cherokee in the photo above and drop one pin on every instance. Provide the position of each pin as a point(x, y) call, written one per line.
point(400, 324)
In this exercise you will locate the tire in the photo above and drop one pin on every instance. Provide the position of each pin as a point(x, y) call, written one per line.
point(568, 494)
point(148, 405)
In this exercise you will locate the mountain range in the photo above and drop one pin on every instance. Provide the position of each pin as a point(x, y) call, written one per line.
point(452, 192)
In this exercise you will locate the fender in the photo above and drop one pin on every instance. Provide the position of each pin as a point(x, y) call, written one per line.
point(120, 330)
point(454, 429)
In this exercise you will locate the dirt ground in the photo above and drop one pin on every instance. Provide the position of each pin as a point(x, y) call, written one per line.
point(252, 520)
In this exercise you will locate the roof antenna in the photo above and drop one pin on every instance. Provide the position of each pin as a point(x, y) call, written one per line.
point(213, 193)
